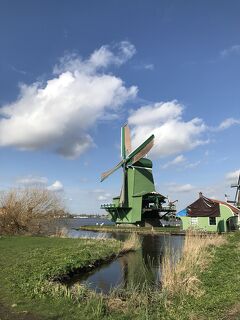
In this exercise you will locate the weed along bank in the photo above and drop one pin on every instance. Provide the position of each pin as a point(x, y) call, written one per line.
point(210, 215)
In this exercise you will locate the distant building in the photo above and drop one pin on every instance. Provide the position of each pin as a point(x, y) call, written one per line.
point(210, 215)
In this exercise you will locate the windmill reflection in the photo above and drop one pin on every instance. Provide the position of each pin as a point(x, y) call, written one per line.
point(135, 269)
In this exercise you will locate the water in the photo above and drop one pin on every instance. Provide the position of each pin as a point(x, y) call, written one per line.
point(132, 269)
point(72, 224)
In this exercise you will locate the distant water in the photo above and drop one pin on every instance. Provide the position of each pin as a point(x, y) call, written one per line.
point(135, 268)
point(72, 224)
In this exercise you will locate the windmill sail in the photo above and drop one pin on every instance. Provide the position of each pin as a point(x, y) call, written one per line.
point(237, 196)
point(141, 151)
point(125, 142)
point(106, 174)
point(128, 158)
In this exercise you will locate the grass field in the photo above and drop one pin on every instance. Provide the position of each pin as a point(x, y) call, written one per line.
point(29, 264)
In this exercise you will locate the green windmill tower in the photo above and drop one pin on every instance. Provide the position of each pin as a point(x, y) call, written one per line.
point(138, 202)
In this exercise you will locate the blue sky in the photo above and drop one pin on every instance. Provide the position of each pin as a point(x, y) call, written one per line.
point(72, 72)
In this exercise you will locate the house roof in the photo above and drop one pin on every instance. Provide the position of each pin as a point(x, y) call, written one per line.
point(203, 207)
point(233, 208)
point(206, 207)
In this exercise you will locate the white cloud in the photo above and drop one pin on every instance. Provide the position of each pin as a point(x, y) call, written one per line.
point(58, 114)
point(235, 49)
point(56, 186)
point(181, 161)
point(145, 66)
point(175, 162)
point(101, 194)
point(40, 181)
point(193, 164)
point(172, 134)
point(227, 123)
point(149, 66)
point(232, 177)
point(100, 59)
point(13, 68)
point(31, 180)
point(104, 197)
point(177, 188)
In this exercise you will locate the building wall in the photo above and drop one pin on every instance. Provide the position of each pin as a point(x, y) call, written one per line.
point(203, 222)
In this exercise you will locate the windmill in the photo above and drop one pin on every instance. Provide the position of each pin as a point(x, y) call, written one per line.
point(138, 200)
point(237, 194)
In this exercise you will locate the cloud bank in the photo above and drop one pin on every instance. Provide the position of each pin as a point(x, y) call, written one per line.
point(173, 134)
point(33, 181)
point(57, 115)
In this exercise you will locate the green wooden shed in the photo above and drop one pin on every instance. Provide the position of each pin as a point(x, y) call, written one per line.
point(210, 215)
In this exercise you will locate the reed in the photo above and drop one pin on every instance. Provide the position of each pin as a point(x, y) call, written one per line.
point(133, 243)
point(61, 233)
point(180, 275)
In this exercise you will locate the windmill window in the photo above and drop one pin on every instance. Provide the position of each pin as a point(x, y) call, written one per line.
point(212, 221)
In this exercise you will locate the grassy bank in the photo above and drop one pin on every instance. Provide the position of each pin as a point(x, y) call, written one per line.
point(204, 284)
point(28, 266)
point(127, 229)
point(215, 288)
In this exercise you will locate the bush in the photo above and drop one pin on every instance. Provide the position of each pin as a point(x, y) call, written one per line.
point(25, 211)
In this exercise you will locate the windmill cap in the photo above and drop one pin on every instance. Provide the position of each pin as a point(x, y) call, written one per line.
point(144, 162)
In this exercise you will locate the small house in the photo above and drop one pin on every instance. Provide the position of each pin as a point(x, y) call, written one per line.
point(210, 215)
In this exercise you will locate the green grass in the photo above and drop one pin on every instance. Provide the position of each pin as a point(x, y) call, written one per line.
point(140, 230)
point(28, 263)
point(221, 286)
point(221, 282)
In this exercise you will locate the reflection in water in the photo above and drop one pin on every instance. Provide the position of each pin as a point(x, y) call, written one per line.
point(135, 268)
point(132, 269)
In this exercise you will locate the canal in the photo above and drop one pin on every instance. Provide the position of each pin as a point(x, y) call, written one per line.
point(139, 268)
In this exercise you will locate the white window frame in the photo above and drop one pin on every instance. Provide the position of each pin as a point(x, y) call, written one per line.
point(194, 221)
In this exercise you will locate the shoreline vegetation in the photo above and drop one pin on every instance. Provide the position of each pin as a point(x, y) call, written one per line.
point(202, 284)
point(138, 230)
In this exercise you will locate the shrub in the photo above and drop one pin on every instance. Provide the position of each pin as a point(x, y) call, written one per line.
point(25, 211)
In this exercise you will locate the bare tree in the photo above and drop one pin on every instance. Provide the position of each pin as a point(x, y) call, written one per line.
point(25, 211)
